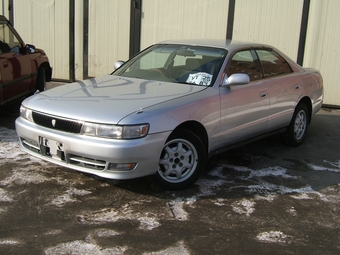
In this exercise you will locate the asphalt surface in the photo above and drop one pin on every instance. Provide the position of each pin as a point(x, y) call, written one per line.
point(263, 198)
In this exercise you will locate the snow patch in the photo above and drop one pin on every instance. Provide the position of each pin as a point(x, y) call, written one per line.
point(178, 249)
point(103, 216)
point(244, 206)
point(82, 247)
point(269, 198)
point(273, 237)
point(292, 211)
point(270, 171)
point(106, 232)
point(24, 175)
point(335, 164)
point(4, 196)
point(68, 197)
point(209, 186)
point(322, 168)
point(53, 232)
point(177, 210)
point(9, 242)
point(220, 202)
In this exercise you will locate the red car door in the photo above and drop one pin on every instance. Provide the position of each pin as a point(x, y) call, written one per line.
point(15, 65)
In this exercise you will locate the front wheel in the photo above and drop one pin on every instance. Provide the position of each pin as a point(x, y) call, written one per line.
point(298, 126)
point(182, 161)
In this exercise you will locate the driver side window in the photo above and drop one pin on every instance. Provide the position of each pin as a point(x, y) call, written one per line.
point(243, 62)
point(8, 40)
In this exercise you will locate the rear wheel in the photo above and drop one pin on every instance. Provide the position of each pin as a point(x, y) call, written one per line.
point(41, 80)
point(298, 126)
point(182, 161)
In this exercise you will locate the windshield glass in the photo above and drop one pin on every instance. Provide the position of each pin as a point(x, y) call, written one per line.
point(176, 63)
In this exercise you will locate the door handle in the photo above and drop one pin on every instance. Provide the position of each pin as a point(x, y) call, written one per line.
point(263, 95)
point(5, 64)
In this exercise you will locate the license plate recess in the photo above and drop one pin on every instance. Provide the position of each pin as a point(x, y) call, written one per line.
point(52, 148)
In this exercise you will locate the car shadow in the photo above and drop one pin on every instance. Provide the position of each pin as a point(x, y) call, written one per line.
point(9, 112)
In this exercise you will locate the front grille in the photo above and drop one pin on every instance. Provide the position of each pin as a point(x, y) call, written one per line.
point(56, 123)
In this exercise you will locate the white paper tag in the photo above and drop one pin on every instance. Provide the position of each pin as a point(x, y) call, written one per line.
point(200, 79)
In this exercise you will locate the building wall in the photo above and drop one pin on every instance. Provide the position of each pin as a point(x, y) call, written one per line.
point(4, 8)
point(46, 24)
point(322, 46)
point(273, 22)
point(178, 19)
point(109, 24)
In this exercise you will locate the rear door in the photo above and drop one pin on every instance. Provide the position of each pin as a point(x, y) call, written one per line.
point(15, 65)
point(244, 108)
point(284, 88)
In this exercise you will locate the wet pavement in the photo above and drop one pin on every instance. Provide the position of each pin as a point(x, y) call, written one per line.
point(262, 198)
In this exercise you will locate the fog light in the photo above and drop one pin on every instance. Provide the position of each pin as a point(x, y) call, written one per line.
point(122, 166)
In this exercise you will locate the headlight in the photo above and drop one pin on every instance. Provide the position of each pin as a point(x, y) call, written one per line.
point(26, 113)
point(114, 131)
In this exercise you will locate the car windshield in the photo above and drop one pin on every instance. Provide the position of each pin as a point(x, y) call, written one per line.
point(176, 63)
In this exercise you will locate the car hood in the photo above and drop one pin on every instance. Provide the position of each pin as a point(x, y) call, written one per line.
point(106, 99)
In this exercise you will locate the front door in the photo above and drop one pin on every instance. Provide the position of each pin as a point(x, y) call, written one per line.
point(244, 108)
point(15, 66)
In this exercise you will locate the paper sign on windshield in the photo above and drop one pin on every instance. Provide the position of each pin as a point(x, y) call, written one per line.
point(200, 79)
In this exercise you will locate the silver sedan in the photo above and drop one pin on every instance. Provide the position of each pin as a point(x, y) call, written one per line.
point(165, 111)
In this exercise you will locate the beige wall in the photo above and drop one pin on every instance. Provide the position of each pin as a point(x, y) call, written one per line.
point(4, 7)
point(109, 33)
point(323, 46)
point(274, 22)
point(45, 23)
point(178, 19)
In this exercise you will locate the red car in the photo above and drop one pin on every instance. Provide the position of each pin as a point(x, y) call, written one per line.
point(23, 68)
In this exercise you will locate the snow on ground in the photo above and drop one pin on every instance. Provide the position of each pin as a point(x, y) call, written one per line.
point(147, 220)
point(179, 248)
point(82, 247)
point(28, 169)
point(273, 237)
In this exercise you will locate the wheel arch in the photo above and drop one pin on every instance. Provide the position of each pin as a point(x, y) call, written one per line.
point(48, 70)
point(198, 129)
point(307, 101)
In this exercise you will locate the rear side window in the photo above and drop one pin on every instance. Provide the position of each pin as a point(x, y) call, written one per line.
point(272, 63)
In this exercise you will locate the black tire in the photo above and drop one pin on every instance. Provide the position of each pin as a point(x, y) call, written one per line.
point(182, 161)
point(41, 80)
point(297, 129)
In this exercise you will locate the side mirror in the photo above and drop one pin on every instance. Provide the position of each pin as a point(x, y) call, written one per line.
point(236, 79)
point(118, 64)
point(30, 48)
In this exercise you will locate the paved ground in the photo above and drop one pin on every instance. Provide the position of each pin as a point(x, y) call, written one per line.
point(263, 198)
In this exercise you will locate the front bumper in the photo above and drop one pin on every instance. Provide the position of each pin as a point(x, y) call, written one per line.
point(90, 154)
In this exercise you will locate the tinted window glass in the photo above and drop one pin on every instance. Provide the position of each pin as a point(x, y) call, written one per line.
point(8, 40)
point(243, 62)
point(272, 63)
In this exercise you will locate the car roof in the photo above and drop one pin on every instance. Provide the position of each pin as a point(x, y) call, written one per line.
point(218, 43)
